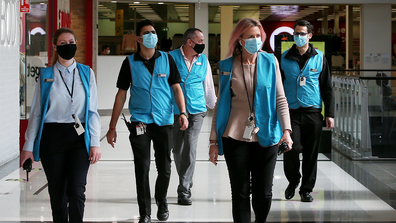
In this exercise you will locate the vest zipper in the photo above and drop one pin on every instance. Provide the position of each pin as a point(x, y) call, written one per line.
point(298, 80)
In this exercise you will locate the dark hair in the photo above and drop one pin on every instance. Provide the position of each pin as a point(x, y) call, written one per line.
point(57, 33)
point(304, 23)
point(142, 24)
point(189, 34)
point(105, 47)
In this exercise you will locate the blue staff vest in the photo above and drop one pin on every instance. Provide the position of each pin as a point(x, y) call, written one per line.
point(309, 94)
point(151, 97)
point(192, 83)
point(46, 86)
point(264, 101)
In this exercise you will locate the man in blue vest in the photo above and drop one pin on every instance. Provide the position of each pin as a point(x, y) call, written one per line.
point(307, 82)
point(152, 76)
point(199, 93)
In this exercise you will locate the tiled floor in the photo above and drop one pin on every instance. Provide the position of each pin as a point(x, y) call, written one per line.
point(111, 194)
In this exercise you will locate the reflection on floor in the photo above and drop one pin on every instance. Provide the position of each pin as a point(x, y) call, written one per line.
point(111, 194)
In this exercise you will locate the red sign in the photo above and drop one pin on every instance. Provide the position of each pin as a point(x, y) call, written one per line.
point(25, 6)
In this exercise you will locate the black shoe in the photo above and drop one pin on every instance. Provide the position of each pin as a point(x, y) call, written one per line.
point(184, 200)
point(306, 197)
point(145, 219)
point(163, 212)
point(290, 191)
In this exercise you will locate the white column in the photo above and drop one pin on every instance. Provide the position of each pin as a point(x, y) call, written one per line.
point(202, 22)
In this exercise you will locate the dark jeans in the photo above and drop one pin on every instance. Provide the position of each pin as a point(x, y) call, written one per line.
point(65, 161)
point(251, 169)
point(162, 141)
point(307, 131)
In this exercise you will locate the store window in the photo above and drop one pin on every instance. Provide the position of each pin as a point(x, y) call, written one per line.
point(33, 52)
point(117, 25)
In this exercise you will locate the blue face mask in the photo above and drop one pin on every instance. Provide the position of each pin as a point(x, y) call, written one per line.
point(253, 45)
point(300, 40)
point(150, 40)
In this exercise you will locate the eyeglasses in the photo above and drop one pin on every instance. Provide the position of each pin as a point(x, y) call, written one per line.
point(300, 34)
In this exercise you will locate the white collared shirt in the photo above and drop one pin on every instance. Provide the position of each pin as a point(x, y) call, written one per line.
point(60, 108)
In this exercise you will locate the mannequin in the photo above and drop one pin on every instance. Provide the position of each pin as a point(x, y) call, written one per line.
point(129, 44)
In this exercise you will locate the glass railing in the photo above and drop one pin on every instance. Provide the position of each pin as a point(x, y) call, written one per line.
point(365, 123)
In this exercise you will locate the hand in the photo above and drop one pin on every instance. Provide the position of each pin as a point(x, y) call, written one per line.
point(329, 122)
point(286, 138)
point(94, 154)
point(24, 156)
point(213, 154)
point(111, 137)
point(183, 122)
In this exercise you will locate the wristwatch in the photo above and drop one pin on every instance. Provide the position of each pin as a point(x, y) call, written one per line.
point(183, 113)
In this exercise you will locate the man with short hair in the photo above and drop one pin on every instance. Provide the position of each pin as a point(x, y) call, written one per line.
point(307, 82)
point(152, 76)
point(199, 93)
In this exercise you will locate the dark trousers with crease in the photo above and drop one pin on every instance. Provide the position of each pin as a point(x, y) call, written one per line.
point(65, 161)
point(307, 131)
point(251, 170)
point(141, 146)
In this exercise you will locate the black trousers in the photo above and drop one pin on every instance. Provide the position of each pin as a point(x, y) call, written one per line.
point(251, 170)
point(65, 161)
point(162, 141)
point(307, 131)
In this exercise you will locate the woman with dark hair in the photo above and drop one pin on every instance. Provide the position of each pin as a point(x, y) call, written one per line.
point(248, 120)
point(64, 128)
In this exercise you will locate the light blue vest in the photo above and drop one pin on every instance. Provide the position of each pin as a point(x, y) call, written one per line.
point(151, 97)
point(46, 86)
point(303, 96)
point(264, 101)
point(192, 83)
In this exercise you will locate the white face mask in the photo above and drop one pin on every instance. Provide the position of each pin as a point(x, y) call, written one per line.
point(108, 52)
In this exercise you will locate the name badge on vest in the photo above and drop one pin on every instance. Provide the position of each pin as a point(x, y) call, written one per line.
point(161, 75)
point(198, 63)
point(314, 70)
point(303, 81)
point(49, 80)
point(225, 73)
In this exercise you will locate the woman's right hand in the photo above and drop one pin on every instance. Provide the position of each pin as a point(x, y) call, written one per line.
point(24, 156)
point(213, 154)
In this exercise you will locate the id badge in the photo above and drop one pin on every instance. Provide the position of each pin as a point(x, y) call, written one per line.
point(303, 81)
point(247, 134)
point(78, 126)
point(140, 129)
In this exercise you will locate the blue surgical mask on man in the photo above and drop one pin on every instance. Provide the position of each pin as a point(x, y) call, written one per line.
point(300, 40)
point(150, 40)
point(253, 45)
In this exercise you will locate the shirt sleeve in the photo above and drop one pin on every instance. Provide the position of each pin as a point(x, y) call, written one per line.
point(124, 80)
point(326, 89)
point(34, 119)
point(210, 94)
point(174, 76)
point(93, 115)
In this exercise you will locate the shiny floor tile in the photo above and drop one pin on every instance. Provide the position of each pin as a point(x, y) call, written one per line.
point(111, 193)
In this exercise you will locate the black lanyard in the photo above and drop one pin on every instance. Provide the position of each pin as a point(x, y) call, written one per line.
point(247, 93)
point(68, 90)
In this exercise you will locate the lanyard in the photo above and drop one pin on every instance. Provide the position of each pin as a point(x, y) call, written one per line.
point(68, 90)
point(251, 105)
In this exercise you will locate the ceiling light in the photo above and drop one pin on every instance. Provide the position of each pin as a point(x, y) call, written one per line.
point(136, 2)
point(160, 3)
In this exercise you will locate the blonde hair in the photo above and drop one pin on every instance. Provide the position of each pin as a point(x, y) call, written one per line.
point(57, 33)
point(234, 48)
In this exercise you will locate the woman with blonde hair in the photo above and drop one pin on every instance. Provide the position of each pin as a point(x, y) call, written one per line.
point(64, 128)
point(250, 121)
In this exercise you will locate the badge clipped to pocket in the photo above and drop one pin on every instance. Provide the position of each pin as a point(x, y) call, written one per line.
point(140, 129)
